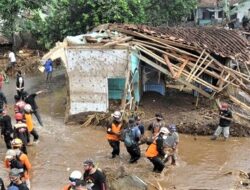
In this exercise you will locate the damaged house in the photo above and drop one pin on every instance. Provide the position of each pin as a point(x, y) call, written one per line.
point(121, 61)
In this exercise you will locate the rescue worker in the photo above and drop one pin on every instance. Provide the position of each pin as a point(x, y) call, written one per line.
point(48, 69)
point(156, 125)
point(15, 180)
point(11, 161)
point(74, 178)
point(29, 123)
point(30, 99)
point(114, 133)
point(19, 84)
point(21, 131)
point(171, 143)
point(3, 101)
point(224, 123)
point(23, 158)
point(93, 177)
point(6, 129)
point(140, 125)
point(131, 137)
point(19, 105)
point(155, 151)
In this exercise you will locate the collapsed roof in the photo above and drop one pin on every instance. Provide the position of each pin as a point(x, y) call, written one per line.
point(187, 55)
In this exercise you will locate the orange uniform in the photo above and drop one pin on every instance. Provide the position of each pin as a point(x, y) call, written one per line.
point(115, 128)
point(29, 121)
point(152, 150)
point(23, 158)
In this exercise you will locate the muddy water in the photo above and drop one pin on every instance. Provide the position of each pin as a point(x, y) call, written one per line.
point(202, 163)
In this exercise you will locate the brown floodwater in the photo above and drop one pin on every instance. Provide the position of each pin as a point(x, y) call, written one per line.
point(202, 163)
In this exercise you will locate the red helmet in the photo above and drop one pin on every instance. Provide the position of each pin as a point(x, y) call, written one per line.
point(19, 116)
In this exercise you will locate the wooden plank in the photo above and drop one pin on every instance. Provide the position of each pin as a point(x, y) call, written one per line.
point(165, 71)
point(238, 102)
point(127, 75)
point(121, 40)
point(169, 46)
point(178, 74)
point(169, 64)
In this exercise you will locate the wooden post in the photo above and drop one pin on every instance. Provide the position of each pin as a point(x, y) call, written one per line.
point(169, 64)
point(178, 74)
point(124, 98)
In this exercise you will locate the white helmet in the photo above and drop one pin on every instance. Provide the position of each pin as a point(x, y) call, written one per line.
point(10, 154)
point(75, 175)
point(28, 108)
point(117, 115)
point(164, 130)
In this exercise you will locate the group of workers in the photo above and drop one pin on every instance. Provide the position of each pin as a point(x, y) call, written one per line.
point(18, 136)
point(162, 141)
point(92, 178)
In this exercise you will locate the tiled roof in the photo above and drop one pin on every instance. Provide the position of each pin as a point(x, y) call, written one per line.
point(223, 42)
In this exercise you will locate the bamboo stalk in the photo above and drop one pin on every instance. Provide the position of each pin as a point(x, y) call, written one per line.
point(196, 63)
point(242, 105)
point(196, 70)
point(204, 68)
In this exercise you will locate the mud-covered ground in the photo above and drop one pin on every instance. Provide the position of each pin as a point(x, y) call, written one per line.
point(179, 108)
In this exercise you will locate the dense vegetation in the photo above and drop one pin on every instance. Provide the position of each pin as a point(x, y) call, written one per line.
point(50, 21)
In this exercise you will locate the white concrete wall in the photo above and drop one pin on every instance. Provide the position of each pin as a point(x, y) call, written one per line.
point(88, 71)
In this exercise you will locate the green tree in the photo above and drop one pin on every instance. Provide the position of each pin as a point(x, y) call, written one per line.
point(74, 17)
point(160, 12)
point(13, 13)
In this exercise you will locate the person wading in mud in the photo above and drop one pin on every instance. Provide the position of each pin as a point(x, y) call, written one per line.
point(131, 137)
point(75, 179)
point(29, 123)
point(93, 177)
point(6, 128)
point(155, 151)
point(30, 99)
point(156, 125)
point(3, 101)
point(21, 131)
point(15, 180)
point(171, 143)
point(19, 84)
point(224, 123)
point(23, 158)
point(114, 133)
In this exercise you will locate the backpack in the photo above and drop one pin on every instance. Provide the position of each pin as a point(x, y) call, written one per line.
point(129, 138)
point(16, 163)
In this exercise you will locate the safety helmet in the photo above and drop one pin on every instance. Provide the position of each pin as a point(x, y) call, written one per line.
point(89, 162)
point(17, 143)
point(172, 128)
point(117, 115)
point(75, 175)
point(164, 130)
point(18, 116)
point(28, 108)
point(10, 154)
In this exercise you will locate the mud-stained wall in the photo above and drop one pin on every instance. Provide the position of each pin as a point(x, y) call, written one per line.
point(88, 72)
